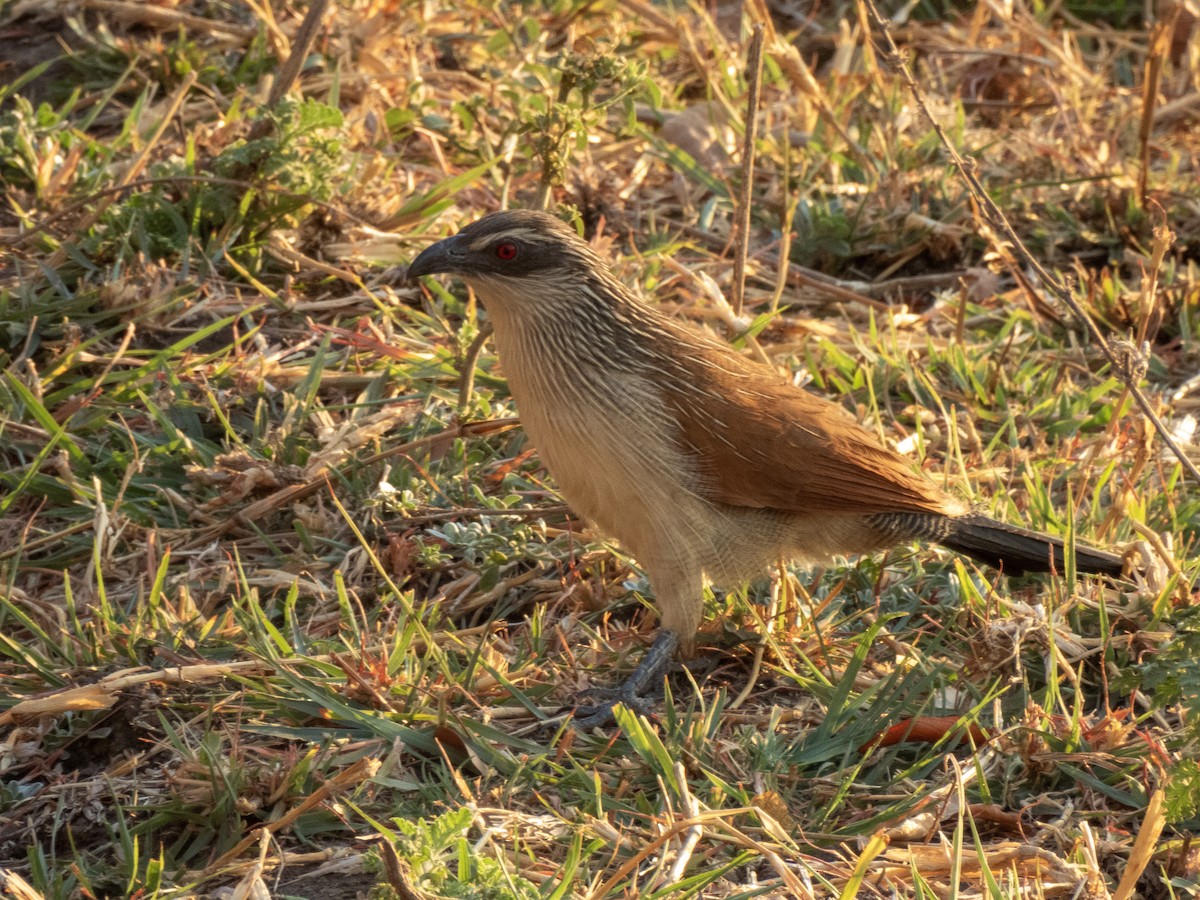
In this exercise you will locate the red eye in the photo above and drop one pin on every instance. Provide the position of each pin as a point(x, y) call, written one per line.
point(506, 250)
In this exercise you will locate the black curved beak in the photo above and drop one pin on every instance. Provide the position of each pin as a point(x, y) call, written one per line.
point(446, 256)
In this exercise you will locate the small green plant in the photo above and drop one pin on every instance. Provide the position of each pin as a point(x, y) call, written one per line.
point(1171, 675)
point(232, 202)
point(441, 858)
point(558, 125)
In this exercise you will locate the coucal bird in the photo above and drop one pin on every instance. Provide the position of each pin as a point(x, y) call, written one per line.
point(702, 463)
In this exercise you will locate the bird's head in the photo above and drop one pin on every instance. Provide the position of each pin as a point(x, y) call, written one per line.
point(505, 247)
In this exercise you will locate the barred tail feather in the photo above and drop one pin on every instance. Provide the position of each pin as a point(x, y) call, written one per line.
point(1013, 550)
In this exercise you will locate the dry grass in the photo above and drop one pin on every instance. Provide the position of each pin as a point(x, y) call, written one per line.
point(290, 608)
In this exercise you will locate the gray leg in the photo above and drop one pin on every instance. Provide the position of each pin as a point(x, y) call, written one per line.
point(632, 693)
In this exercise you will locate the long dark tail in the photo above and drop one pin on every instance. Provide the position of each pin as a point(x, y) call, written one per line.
point(1013, 550)
point(1016, 551)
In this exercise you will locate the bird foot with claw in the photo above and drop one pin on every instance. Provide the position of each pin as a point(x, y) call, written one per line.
point(633, 693)
point(600, 713)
